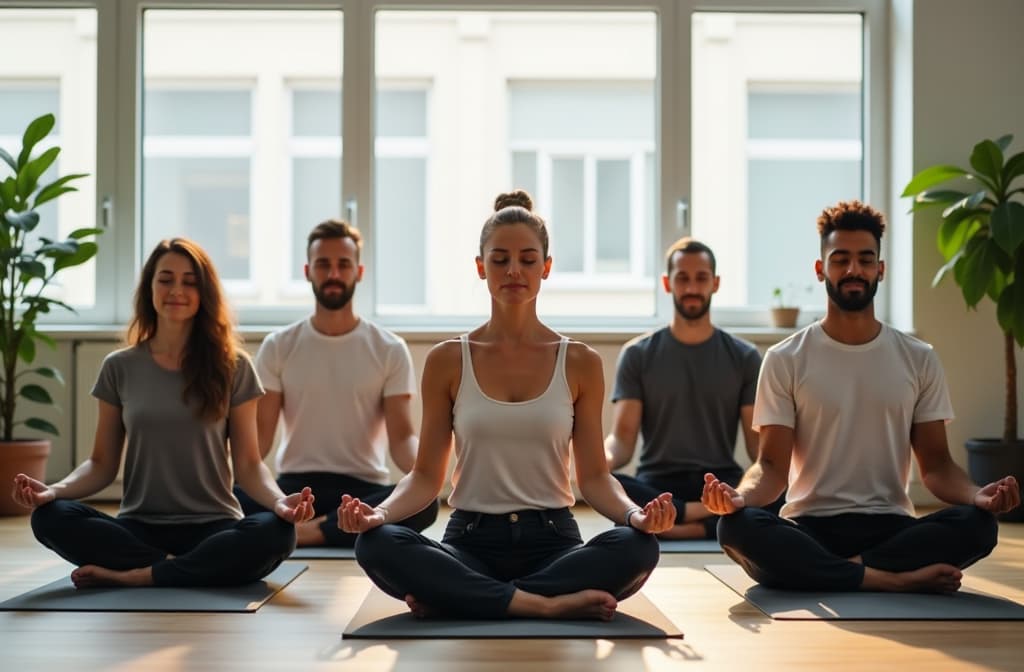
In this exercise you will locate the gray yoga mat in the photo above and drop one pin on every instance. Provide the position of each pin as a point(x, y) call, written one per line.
point(383, 617)
point(61, 595)
point(689, 546)
point(784, 605)
point(323, 553)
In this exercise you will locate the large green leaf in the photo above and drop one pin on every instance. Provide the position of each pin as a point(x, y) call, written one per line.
point(38, 129)
point(979, 265)
point(86, 251)
point(1007, 226)
point(8, 192)
point(956, 230)
point(1010, 311)
point(949, 265)
point(969, 202)
point(24, 221)
point(987, 161)
point(58, 249)
point(8, 159)
point(1013, 168)
point(27, 349)
point(931, 176)
point(47, 372)
point(56, 188)
point(42, 426)
point(28, 177)
point(997, 285)
point(933, 197)
point(1004, 141)
point(32, 269)
point(36, 393)
point(78, 234)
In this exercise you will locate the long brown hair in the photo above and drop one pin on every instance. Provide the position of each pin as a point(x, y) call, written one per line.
point(213, 348)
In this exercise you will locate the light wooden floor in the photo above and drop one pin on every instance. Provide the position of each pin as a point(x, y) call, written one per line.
point(300, 629)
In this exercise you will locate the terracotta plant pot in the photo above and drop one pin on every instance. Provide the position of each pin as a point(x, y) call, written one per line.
point(27, 456)
point(785, 318)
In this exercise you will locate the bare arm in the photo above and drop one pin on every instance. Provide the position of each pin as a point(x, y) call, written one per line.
point(750, 437)
point(402, 439)
point(597, 485)
point(88, 478)
point(764, 481)
point(268, 411)
point(421, 485)
point(253, 475)
point(947, 481)
point(621, 443)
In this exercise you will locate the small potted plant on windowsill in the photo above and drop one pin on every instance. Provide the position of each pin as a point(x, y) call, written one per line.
point(784, 316)
point(981, 237)
point(27, 267)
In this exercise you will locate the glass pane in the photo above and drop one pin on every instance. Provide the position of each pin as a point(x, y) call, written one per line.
point(790, 85)
point(59, 79)
point(402, 113)
point(401, 279)
point(566, 226)
point(613, 215)
point(242, 142)
point(530, 99)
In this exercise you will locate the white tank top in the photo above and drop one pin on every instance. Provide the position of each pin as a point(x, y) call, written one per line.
point(512, 455)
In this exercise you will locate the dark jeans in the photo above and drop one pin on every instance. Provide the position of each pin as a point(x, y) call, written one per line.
point(810, 552)
point(685, 486)
point(485, 558)
point(218, 553)
point(327, 491)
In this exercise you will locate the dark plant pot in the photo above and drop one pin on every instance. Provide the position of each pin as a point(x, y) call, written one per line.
point(24, 456)
point(991, 459)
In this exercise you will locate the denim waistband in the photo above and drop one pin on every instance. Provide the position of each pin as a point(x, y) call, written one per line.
point(543, 516)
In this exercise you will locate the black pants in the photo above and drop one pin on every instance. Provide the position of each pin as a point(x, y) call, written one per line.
point(810, 552)
point(685, 486)
point(485, 558)
point(327, 491)
point(218, 553)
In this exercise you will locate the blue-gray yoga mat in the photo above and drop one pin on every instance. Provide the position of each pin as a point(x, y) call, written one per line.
point(323, 553)
point(690, 546)
point(383, 617)
point(784, 605)
point(61, 595)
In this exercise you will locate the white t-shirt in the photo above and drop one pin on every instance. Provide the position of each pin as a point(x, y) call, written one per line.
point(851, 408)
point(334, 389)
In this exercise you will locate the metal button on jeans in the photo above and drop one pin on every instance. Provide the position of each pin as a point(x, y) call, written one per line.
point(513, 517)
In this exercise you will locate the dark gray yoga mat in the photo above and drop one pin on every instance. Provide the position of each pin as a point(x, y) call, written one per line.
point(61, 595)
point(323, 553)
point(383, 617)
point(689, 546)
point(784, 605)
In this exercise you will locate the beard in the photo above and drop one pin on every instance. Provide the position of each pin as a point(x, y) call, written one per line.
point(334, 301)
point(695, 312)
point(853, 303)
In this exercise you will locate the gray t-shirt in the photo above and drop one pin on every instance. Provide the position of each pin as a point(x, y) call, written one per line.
point(691, 396)
point(176, 466)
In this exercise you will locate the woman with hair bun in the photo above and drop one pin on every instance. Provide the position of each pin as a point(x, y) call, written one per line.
point(520, 400)
point(171, 401)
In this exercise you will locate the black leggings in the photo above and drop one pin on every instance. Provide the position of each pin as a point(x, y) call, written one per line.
point(219, 553)
point(327, 491)
point(810, 552)
point(485, 558)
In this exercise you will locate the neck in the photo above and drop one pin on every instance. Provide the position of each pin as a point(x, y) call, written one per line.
point(334, 322)
point(512, 323)
point(691, 332)
point(171, 338)
point(851, 328)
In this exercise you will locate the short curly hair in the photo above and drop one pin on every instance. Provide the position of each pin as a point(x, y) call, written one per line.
point(851, 216)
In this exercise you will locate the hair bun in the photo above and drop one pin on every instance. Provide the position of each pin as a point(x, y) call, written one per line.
point(517, 197)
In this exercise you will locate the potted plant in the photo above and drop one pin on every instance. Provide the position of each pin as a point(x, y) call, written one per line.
point(784, 315)
point(981, 238)
point(27, 267)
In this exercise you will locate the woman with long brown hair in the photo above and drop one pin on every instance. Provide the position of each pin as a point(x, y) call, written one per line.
point(172, 400)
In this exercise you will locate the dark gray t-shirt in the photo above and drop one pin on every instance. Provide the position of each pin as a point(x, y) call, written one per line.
point(176, 467)
point(691, 396)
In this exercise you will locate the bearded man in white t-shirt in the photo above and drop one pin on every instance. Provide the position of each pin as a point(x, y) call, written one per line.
point(840, 407)
point(344, 387)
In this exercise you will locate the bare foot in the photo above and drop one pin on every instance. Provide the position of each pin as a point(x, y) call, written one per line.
point(937, 578)
point(90, 576)
point(685, 531)
point(586, 604)
point(418, 609)
point(309, 533)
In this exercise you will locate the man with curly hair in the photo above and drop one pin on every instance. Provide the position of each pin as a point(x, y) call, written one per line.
point(840, 407)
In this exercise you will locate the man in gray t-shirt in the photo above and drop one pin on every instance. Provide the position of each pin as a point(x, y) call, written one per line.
point(687, 388)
